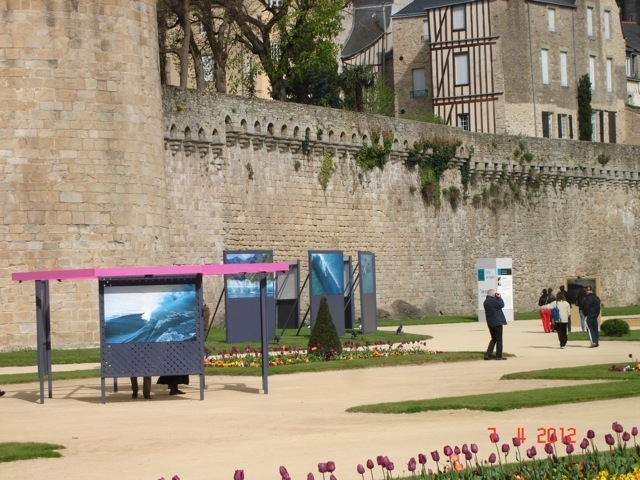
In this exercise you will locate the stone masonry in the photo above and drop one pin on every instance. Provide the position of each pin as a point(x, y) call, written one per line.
point(86, 182)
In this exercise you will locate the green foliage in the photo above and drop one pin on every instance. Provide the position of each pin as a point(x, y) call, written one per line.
point(528, 156)
point(375, 155)
point(432, 159)
point(380, 99)
point(428, 117)
point(324, 340)
point(465, 175)
point(354, 80)
point(326, 169)
point(615, 327)
point(13, 451)
point(250, 172)
point(453, 194)
point(585, 127)
point(297, 165)
point(604, 159)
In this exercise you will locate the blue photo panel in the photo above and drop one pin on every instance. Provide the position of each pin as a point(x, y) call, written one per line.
point(367, 273)
point(327, 276)
point(247, 285)
point(150, 313)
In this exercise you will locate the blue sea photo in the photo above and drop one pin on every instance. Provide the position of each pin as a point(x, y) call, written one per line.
point(150, 313)
point(366, 272)
point(327, 276)
point(247, 285)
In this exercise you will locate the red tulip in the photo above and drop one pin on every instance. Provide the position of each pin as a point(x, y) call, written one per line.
point(505, 448)
point(422, 458)
point(494, 438)
point(332, 477)
point(548, 447)
point(609, 439)
point(569, 448)
point(590, 434)
point(474, 448)
point(584, 444)
point(448, 451)
point(380, 460)
point(468, 455)
point(456, 450)
point(370, 464)
point(310, 476)
point(238, 475)
point(360, 469)
point(634, 431)
point(516, 442)
point(492, 458)
point(322, 467)
point(331, 467)
point(553, 438)
point(283, 471)
point(390, 465)
point(411, 466)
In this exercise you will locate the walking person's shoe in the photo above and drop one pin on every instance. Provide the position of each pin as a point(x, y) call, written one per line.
point(488, 357)
point(2, 392)
point(500, 358)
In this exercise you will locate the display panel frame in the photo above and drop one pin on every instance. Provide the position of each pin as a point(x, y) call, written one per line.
point(326, 277)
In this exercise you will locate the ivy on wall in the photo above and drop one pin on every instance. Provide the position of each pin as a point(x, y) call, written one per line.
point(432, 158)
point(326, 169)
point(375, 155)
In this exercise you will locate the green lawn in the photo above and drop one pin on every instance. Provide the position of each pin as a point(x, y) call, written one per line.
point(13, 451)
point(623, 385)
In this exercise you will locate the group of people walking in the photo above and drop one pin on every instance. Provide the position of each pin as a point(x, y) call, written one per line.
point(555, 312)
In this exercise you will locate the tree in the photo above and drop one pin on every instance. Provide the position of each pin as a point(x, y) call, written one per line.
point(354, 80)
point(324, 340)
point(292, 38)
point(584, 108)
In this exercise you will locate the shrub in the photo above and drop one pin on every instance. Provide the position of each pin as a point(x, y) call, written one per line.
point(615, 327)
point(324, 340)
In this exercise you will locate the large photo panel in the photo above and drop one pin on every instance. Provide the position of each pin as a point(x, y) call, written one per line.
point(242, 298)
point(326, 277)
point(368, 305)
point(151, 325)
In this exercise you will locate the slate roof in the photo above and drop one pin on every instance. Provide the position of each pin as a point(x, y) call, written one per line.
point(631, 32)
point(560, 3)
point(367, 27)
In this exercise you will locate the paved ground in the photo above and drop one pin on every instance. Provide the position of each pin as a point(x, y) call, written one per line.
point(302, 421)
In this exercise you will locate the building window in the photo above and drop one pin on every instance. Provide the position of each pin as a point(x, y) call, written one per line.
point(551, 17)
point(425, 31)
point(628, 65)
point(419, 89)
point(607, 28)
point(544, 59)
point(632, 65)
point(590, 21)
point(209, 67)
point(462, 69)
point(463, 121)
point(592, 72)
point(563, 69)
point(562, 126)
point(459, 17)
point(609, 75)
point(594, 126)
point(547, 124)
point(275, 3)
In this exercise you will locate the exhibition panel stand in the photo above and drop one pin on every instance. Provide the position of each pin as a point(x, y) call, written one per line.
point(127, 357)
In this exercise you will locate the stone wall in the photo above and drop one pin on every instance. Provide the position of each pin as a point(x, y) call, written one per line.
point(83, 179)
point(249, 180)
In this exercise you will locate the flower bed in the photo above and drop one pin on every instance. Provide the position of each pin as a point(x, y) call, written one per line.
point(282, 355)
point(462, 463)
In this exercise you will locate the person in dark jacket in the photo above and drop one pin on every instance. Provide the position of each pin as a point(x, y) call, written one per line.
point(493, 306)
point(591, 307)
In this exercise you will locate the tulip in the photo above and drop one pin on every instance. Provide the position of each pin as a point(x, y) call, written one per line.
point(386, 462)
point(322, 467)
point(380, 460)
point(464, 449)
point(238, 475)
point(531, 452)
point(468, 455)
point(617, 427)
point(492, 458)
point(548, 447)
point(456, 450)
point(435, 456)
point(310, 476)
point(448, 451)
point(590, 434)
point(609, 439)
point(370, 464)
point(286, 476)
point(422, 458)
point(626, 436)
point(584, 444)
point(411, 466)
point(331, 467)
point(390, 465)
point(634, 431)
point(494, 438)
point(505, 448)
point(474, 448)
point(175, 477)
point(283, 471)
point(553, 438)
point(361, 469)
point(570, 448)
point(516, 442)
point(332, 477)
point(566, 440)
